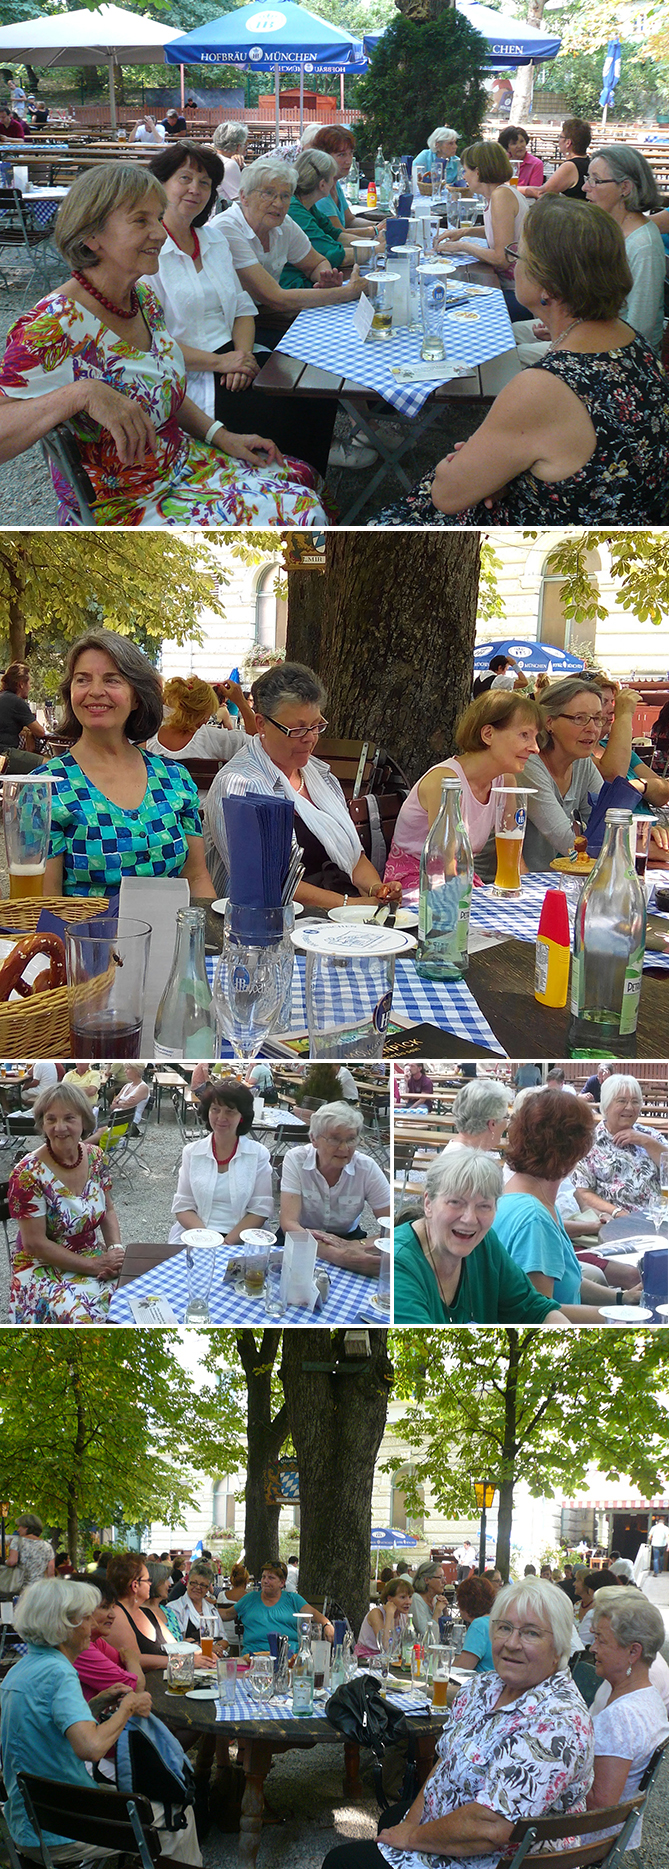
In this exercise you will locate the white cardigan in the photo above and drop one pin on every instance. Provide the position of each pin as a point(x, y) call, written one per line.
point(249, 1180)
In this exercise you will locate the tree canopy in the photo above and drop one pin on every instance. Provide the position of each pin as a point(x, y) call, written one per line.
point(421, 74)
point(640, 567)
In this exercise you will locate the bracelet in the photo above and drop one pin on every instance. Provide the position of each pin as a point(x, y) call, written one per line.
point(212, 431)
point(344, 902)
point(619, 1297)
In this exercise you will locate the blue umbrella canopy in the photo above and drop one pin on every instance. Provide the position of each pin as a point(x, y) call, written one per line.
point(279, 38)
point(510, 41)
point(610, 72)
point(385, 1538)
point(532, 657)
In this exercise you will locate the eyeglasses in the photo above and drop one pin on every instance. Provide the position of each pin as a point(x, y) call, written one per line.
point(599, 181)
point(582, 720)
point(298, 733)
point(276, 201)
point(527, 1634)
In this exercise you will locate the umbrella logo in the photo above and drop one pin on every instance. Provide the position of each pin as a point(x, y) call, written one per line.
point(265, 22)
point(255, 52)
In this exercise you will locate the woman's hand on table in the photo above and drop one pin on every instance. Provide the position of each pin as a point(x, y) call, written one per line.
point(353, 286)
point(240, 369)
point(253, 449)
point(110, 1263)
point(387, 892)
point(131, 429)
point(448, 243)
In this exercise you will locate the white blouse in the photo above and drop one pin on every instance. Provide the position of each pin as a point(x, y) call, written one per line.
point(337, 1209)
point(287, 243)
point(201, 307)
point(206, 743)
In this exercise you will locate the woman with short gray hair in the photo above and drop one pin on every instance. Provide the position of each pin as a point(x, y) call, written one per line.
point(628, 1713)
point(230, 140)
point(480, 1112)
point(326, 1183)
point(441, 147)
point(622, 1168)
point(621, 181)
point(450, 1268)
point(280, 758)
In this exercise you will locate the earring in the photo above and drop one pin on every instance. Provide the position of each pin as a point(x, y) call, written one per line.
point(629, 1671)
point(544, 299)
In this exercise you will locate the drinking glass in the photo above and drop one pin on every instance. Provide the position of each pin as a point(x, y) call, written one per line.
point(107, 961)
point(510, 822)
point(200, 1244)
point(274, 1303)
point(380, 288)
point(441, 1667)
point(226, 1679)
point(643, 830)
point(180, 1670)
point(433, 277)
point(255, 1269)
point(452, 210)
point(261, 1677)
point(26, 820)
point(348, 998)
point(382, 1294)
point(253, 975)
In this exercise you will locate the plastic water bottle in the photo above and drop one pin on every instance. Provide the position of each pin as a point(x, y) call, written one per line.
point(446, 880)
point(609, 944)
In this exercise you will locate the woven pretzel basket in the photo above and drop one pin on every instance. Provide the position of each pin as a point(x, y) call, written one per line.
point(39, 1027)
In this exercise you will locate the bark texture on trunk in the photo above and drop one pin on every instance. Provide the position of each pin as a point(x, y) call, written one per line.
point(390, 629)
point(337, 1406)
point(266, 1434)
point(509, 1456)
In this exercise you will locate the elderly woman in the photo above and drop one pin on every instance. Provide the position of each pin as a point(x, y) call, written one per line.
point(584, 433)
point(96, 353)
point(61, 1196)
point(47, 1726)
point(272, 1611)
point(185, 731)
point(519, 1743)
point(428, 1600)
point(488, 173)
point(628, 1713)
point(338, 141)
point(315, 175)
point(450, 1267)
point(263, 239)
point(288, 702)
point(130, 1101)
point(494, 738)
point(621, 181)
point(195, 1614)
point(621, 1170)
point(325, 1184)
point(480, 1113)
point(383, 1625)
point(148, 823)
point(28, 1556)
point(563, 776)
point(516, 142)
point(475, 1597)
point(548, 1137)
point(229, 141)
point(441, 147)
point(225, 1181)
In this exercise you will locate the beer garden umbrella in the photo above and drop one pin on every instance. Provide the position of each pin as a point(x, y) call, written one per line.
point(510, 41)
point(533, 657)
point(105, 35)
point(281, 38)
point(385, 1538)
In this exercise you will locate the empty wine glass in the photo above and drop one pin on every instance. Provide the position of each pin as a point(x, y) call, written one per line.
point(253, 976)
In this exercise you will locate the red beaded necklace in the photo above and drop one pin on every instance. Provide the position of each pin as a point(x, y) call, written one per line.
point(108, 304)
point(195, 255)
point(223, 1160)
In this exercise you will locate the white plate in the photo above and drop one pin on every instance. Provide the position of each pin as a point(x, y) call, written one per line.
point(365, 911)
point(220, 907)
point(201, 1693)
point(625, 1313)
point(348, 940)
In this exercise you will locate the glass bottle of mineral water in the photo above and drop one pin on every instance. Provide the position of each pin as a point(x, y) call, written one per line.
point(446, 878)
point(303, 1675)
point(609, 942)
point(379, 167)
point(184, 1025)
point(353, 182)
point(386, 193)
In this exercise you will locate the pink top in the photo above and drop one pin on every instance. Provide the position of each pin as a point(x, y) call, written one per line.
point(531, 171)
point(99, 1667)
point(412, 826)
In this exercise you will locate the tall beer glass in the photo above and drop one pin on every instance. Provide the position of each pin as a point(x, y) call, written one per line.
point(26, 817)
point(510, 821)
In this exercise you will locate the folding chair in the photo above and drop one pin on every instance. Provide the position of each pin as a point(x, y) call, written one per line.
point(533, 1837)
point(119, 1824)
point(136, 1138)
point(653, 1767)
point(22, 237)
point(61, 451)
point(114, 1144)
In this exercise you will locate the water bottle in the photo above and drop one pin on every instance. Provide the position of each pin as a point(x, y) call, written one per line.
point(379, 167)
point(444, 903)
point(353, 185)
point(405, 185)
point(608, 951)
point(303, 1678)
point(386, 194)
point(184, 1021)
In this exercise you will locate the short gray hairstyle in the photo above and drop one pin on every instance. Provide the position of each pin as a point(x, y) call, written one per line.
point(202, 1569)
point(91, 200)
point(230, 136)
point(30, 1524)
point(157, 1574)
point(48, 1611)
point(632, 1619)
point(441, 135)
point(309, 132)
point(287, 681)
point(264, 170)
point(334, 1119)
point(458, 1172)
point(479, 1102)
point(628, 165)
point(74, 1099)
point(616, 1085)
point(423, 1574)
point(313, 166)
point(535, 1596)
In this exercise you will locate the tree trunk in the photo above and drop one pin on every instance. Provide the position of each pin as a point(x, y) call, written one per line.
point(521, 102)
point(16, 622)
point(265, 1437)
point(507, 1475)
point(337, 1408)
point(390, 629)
point(78, 1449)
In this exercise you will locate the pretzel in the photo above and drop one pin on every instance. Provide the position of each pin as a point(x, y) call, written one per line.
point(54, 975)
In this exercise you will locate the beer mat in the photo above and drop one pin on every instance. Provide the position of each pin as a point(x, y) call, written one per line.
point(430, 372)
point(152, 1311)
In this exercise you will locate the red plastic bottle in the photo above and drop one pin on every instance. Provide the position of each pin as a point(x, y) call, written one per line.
point(551, 978)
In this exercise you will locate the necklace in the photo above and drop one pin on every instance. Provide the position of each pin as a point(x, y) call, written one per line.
point(563, 334)
point(109, 305)
point(432, 1261)
point(195, 255)
point(224, 1159)
point(59, 1160)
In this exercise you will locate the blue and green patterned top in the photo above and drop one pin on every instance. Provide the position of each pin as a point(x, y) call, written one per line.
point(100, 842)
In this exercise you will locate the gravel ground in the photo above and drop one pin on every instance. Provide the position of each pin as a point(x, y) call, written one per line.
point(26, 493)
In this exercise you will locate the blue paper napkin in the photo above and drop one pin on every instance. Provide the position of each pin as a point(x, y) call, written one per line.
point(259, 833)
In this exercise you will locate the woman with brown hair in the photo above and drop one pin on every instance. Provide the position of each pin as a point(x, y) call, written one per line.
point(494, 737)
point(17, 721)
point(339, 142)
point(380, 1627)
point(573, 143)
point(475, 1598)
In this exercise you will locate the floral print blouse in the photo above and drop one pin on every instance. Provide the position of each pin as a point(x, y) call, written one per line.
point(525, 1760)
point(184, 483)
point(619, 1172)
point(71, 1220)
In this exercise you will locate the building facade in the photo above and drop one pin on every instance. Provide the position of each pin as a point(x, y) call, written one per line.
point(255, 618)
point(530, 592)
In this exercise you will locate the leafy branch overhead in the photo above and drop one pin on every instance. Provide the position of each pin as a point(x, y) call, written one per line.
point(52, 589)
point(639, 566)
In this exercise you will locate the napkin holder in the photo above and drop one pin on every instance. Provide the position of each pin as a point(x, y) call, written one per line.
point(298, 1285)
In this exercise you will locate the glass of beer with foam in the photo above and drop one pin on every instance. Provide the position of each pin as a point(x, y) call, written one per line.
point(26, 818)
point(510, 821)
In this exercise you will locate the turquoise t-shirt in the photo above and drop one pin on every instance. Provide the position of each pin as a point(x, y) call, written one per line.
point(492, 1290)
point(260, 1618)
point(40, 1698)
point(477, 1642)
point(336, 209)
point(100, 842)
point(426, 159)
point(538, 1243)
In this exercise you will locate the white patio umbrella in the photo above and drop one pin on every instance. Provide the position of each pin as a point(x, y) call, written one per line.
point(105, 35)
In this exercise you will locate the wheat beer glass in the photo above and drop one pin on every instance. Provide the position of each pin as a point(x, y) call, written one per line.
point(510, 821)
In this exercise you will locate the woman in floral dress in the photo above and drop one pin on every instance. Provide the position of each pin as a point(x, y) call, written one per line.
point(96, 353)
point(62, 1272)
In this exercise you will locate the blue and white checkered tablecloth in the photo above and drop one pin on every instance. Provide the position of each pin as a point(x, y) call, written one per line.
point(520, 916)
point(244, 1708)
point(328, 339)
point(450, 1006)
point(350, 1295)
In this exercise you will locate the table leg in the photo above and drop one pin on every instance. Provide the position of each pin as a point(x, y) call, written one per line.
point(353, 1786)
point(159, 1092)
point(425, 1744)
point(256, 1758)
